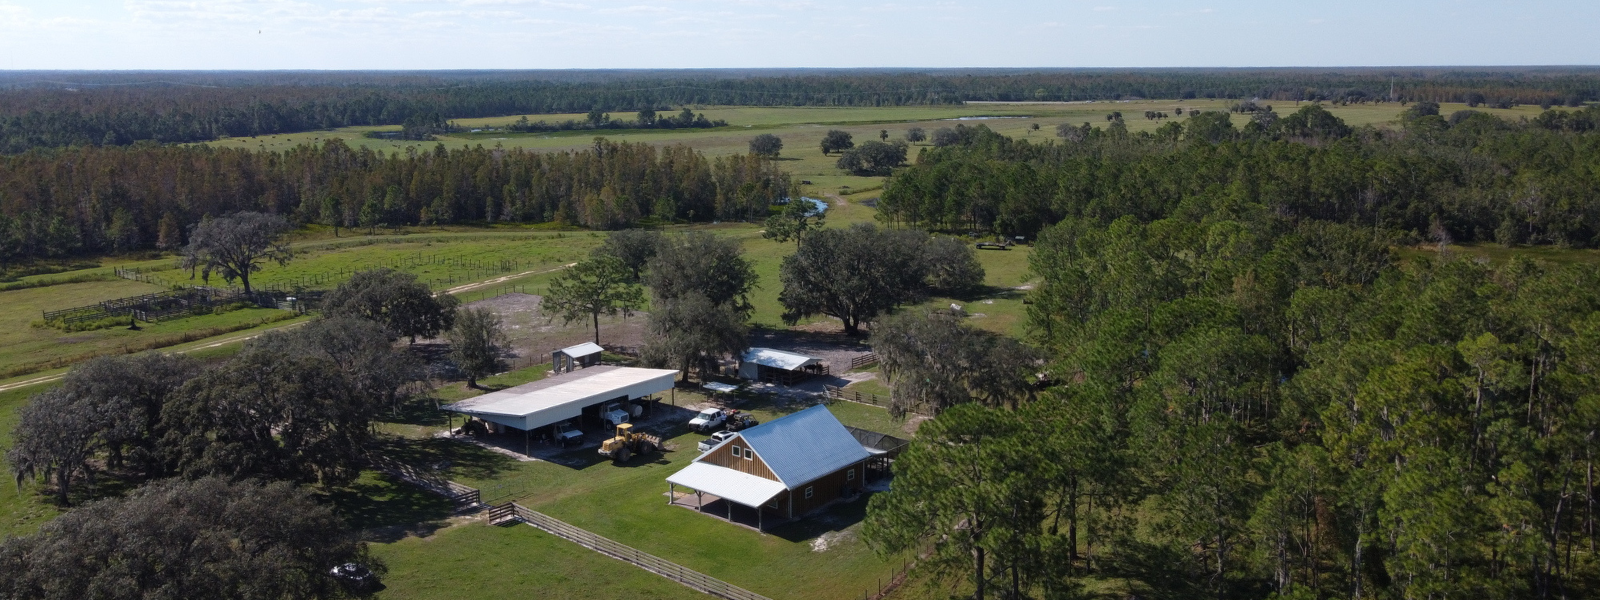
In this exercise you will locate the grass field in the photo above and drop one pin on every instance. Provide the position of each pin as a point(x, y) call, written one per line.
point(802, 128)
point(22, 343)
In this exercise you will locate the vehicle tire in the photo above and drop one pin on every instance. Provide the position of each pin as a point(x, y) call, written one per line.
point(621, 455)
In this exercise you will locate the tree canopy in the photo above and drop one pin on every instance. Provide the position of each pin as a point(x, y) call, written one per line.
point(767, 145)
point(633, 247)
point(700, 285)
point(477, 342)
point(873, 158)
point(593, 287)
point(836, 140)
point(201, 539)
point(857, 273)
point(799, 217)
point(236, 246)
point(393, 299)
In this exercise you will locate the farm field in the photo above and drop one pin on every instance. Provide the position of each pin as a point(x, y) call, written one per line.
point(26, 348)
point(802, 128)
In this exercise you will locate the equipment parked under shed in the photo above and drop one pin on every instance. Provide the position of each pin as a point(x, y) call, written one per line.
point(576, 397)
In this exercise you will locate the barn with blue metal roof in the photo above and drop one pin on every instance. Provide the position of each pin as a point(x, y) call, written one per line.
point(784, 468)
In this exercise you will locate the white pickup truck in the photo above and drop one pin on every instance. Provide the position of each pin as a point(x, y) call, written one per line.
point(716, 438)
point(708, 420)
point(567, 433)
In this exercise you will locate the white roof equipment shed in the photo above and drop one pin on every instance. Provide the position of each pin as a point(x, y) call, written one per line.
point(567, 359)
point(555, 399)
point(767, 364)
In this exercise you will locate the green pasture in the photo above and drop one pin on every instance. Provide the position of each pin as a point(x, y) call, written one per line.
point(802, 128)
point(476, 561)
point(23, 342)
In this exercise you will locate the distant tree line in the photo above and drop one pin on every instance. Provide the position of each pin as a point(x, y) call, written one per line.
point(93, 199)
point(113, 109)
point(1471, 176)
point(598, 119)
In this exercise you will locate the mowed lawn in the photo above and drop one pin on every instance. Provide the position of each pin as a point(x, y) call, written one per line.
point(476, 561)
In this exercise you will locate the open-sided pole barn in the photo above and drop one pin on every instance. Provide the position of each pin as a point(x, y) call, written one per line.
point(564, 397)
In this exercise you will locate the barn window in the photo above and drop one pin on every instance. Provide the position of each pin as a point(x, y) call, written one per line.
point(808, 492)
point(736, 452)
point(850, 475)
point(749, 454)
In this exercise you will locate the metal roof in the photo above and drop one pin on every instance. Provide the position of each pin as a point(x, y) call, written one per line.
point(778, 359)
point(583, 349)
point(801, 447)
point(562, 397)
point(737, 486)
point(721, 387)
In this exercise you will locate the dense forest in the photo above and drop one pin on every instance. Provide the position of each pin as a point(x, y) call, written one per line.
point(1253, 395)
point(1467, 177)
point(48, 109)
point(97, 199)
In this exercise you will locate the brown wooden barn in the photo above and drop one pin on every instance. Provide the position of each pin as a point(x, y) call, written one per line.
point(785, 468)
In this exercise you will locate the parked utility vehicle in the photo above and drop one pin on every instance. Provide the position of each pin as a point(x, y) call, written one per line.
point(615, 414)
point(708, 420)
point(738, 421)
point(566, 433)
point(628, 444)
point(716, 438)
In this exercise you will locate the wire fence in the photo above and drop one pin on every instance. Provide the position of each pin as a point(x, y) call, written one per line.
point(461, 270)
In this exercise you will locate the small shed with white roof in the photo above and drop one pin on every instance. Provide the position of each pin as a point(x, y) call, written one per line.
point(778, 366)
point(576, 357)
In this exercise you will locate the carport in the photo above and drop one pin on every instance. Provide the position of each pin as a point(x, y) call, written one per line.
point(563, 397)
point(778, 366)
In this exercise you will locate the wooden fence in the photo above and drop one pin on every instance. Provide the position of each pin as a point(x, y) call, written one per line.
point(151, 307)
point(839, 393)
point(670, 570)
point(460, 495)
point(869, 358)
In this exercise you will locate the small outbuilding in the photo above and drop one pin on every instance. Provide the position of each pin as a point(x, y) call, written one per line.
point(778, 366)
point(576, 357)
point(784, 468)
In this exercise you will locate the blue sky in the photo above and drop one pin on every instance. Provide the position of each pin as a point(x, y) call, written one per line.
point(542, 34)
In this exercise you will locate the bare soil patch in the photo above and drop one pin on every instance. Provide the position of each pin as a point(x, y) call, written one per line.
point(532, 332)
